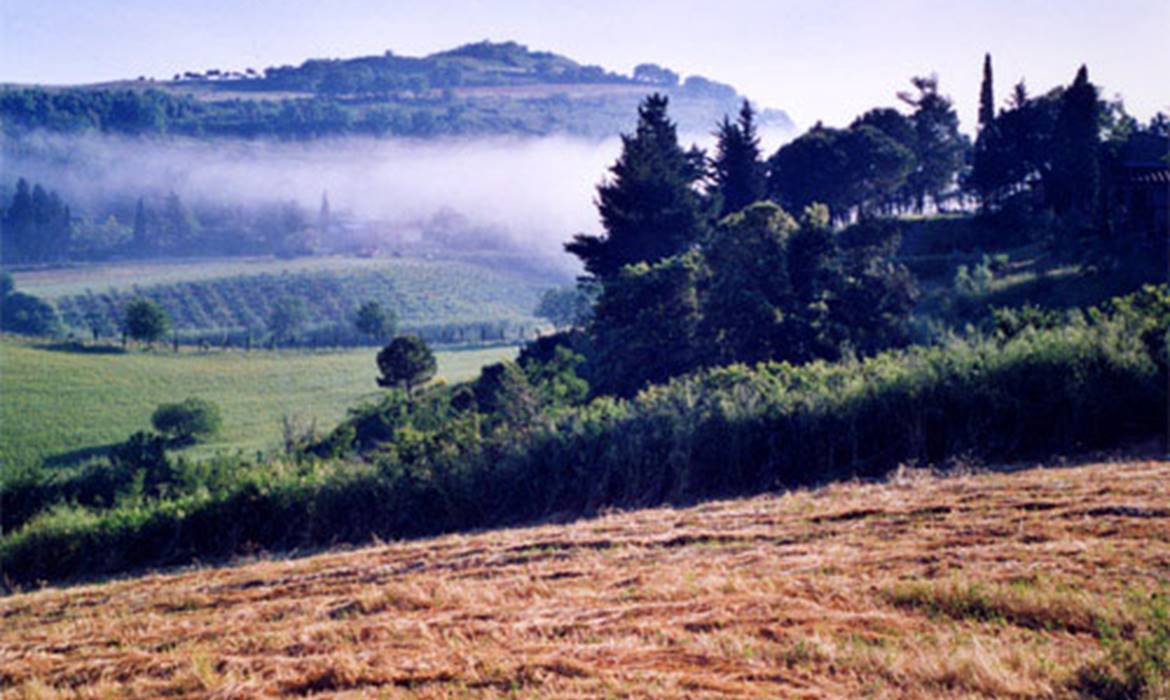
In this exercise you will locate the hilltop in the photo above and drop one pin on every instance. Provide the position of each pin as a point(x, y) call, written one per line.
point(976, 585)
point(482, 88)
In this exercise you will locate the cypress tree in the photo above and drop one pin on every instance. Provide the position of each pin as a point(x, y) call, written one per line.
point(1075, 182)
point(986, 96)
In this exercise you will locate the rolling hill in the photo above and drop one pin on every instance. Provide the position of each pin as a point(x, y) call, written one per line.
point(476, 89)
point(1040, 583)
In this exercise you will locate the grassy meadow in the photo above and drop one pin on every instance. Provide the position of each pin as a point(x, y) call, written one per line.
point(61, 406)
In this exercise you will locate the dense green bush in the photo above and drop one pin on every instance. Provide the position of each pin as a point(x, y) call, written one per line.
point(1092, 384)
point(187, 421)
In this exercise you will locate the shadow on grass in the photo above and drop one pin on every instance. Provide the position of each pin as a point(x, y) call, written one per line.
point(82, 348)
point(82, 454)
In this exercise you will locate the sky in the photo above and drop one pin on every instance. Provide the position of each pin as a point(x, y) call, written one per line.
point(827, 60)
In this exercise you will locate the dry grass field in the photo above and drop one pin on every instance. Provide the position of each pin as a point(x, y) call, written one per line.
point(983, 585)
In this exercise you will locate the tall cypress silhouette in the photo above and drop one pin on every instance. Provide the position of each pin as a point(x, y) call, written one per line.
point(986, 96)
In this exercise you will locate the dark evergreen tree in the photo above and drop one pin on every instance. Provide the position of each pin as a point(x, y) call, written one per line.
point(738, 169)
point(986, 95)
point(1074, 185)
point(649, 207)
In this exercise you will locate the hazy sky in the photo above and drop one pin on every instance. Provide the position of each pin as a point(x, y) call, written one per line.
point(817, 60)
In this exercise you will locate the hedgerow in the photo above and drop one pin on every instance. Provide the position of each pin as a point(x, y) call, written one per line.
point(1095, 383)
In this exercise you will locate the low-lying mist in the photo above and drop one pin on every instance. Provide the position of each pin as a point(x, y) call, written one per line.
point(535, 192)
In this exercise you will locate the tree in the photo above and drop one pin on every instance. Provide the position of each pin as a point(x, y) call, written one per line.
point(738, 169)
point(28, 315)
point(645, 325)
point(144, 320)
point(649, 207)
point(406, 362)
point(939, 147)
point(288, 315)
point(189, 421)
point(748, 286)
point(986, 95)
point(856, 169)
point(375, 322)
point(503, 392)
point(566, 307)
point(1074, 185)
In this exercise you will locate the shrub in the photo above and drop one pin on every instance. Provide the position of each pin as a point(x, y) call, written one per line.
point(188, 421)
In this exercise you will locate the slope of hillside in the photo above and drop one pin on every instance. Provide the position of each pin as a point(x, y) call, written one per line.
point(483, 88)
point(976, 586)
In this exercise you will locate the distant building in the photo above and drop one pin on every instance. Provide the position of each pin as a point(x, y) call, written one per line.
point(1140, 186)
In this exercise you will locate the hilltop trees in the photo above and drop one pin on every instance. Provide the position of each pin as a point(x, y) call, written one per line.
point(649, 207)
point(854, 170)
point(938, 145)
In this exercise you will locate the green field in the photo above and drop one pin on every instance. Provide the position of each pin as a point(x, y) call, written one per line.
point(62, 406)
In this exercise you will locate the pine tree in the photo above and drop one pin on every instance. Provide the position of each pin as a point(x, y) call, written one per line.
point(986, 96)
point(738, 169)
point(649, 207)
point(940, 147)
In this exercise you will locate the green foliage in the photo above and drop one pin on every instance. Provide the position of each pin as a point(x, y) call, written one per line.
point(567, 307)
point(406, 362)
point(760, 287)
point(26, 314)
point(712, 433)
point(375, 322)
point(36, 226)
point(648, 206)
point(287, 316)
point(938, 146)
point(144, 320)
point(188, 421)
point(645, 325)
point(857, 169)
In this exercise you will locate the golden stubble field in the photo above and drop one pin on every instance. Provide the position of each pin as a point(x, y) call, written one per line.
point(984, 585)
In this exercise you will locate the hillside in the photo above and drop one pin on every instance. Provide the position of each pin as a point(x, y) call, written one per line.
point(991, 585)
point(483, 88)
point(65, 406)
point(444, 300)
